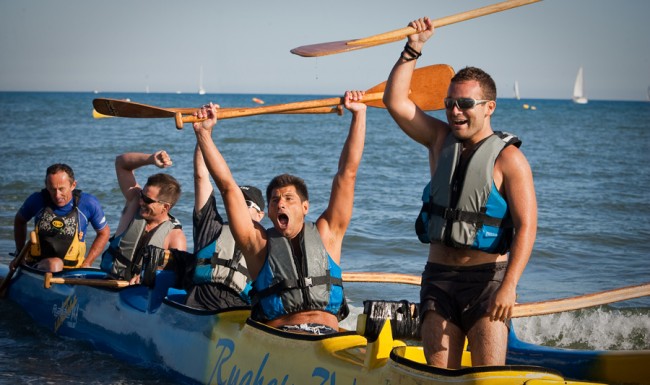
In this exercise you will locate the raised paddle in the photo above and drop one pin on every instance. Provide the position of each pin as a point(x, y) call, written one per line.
point(428, 89)
point(13, 265)
point(334, 47)
point(317, 110)
point(524, 309)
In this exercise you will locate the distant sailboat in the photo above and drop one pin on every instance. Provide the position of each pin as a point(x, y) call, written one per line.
point(516, 89)
point(578, 89)
point(201, 89)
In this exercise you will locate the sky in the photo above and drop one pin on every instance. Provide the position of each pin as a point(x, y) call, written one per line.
point(243, 46)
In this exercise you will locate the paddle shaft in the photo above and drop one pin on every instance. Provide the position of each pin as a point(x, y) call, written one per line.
point(317, 110)
point(113, 283)
point(525, 309)
point(13, 265)
point(276, 108)
point(401, 33)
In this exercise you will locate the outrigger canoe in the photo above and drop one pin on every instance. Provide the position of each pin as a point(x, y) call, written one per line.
point(152, 327)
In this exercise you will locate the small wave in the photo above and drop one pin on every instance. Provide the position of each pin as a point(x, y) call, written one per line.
point(601, 328)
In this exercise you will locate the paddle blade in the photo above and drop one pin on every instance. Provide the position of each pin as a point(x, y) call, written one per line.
point(428, 87)
point(127, 109)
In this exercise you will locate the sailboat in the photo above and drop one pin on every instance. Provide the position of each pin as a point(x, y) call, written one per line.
point(516, 89)
point(578, 89)
point(201, 89)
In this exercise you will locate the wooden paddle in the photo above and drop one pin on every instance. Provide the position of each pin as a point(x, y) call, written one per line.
point(334, 47)
point(428, 89)
point(523, 309)
point(113, 283)
point(318, 110)
point(13, 265)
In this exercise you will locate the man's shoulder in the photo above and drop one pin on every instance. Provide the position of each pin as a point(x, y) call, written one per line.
point(88, 203)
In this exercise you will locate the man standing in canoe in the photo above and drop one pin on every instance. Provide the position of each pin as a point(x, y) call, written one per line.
point(295, 264)
point(481, 213)
point(145, 218)
point(62, 215)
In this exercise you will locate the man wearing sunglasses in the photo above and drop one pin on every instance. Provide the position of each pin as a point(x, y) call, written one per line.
point(480, 213)
point(146, 218)
point(220, 277)
point(295, 264)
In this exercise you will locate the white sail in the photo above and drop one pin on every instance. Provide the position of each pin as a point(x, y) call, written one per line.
point(578, 89)
point(516, 89)
point(201, 89)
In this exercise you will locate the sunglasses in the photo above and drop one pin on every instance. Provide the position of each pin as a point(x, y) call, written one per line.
point(253, 205)
point(463, 103)
point(148, 200)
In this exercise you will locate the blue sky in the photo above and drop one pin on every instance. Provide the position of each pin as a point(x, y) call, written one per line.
point(243, 46)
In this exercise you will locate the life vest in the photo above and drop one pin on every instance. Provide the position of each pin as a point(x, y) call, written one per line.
point(467, 212)
point(59, 236)
point(222, 262)
point(285, 285)
point(123, 258)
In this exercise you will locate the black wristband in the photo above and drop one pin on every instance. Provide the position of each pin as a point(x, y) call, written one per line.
point(409, 53)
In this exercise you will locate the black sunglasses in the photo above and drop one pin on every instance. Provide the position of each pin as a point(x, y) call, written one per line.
point(148, 200)
point(463, 103)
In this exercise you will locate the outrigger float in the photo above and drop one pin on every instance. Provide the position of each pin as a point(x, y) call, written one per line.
point(151, 326)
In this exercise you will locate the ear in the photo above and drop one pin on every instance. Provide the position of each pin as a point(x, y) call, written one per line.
point(73, 185)
point(490, 107)
point(305, 207)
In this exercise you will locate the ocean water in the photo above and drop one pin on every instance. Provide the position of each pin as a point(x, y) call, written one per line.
point(590, 164)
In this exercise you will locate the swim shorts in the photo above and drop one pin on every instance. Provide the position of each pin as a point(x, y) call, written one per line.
point(460, 294)
point(310, 328)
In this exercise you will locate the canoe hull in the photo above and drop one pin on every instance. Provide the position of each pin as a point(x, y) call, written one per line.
point(148, 327)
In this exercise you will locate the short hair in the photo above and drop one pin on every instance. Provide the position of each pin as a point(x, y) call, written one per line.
point(169, 188)
point(285, 180)
point(485, 81)
point(57, 168)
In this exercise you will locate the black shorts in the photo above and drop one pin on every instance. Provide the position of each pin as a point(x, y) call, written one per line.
point(460, 294)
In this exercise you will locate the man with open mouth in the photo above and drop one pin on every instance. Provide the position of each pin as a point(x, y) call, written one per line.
point(295, 265)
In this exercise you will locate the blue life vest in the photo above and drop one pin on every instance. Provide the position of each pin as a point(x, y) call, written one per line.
point(222, 262)
point(467, 212)
point(283, 287)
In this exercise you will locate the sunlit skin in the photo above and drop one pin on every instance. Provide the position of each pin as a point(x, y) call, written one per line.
point(156, 212)
point(471, 125)
point(443, 340)
point(287, 211)
point(60, 188)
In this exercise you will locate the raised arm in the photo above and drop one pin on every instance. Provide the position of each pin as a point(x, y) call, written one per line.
point(334, 221)
point(202, 185)
point(126, 164)
point(248, 235)
point(409, 117)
